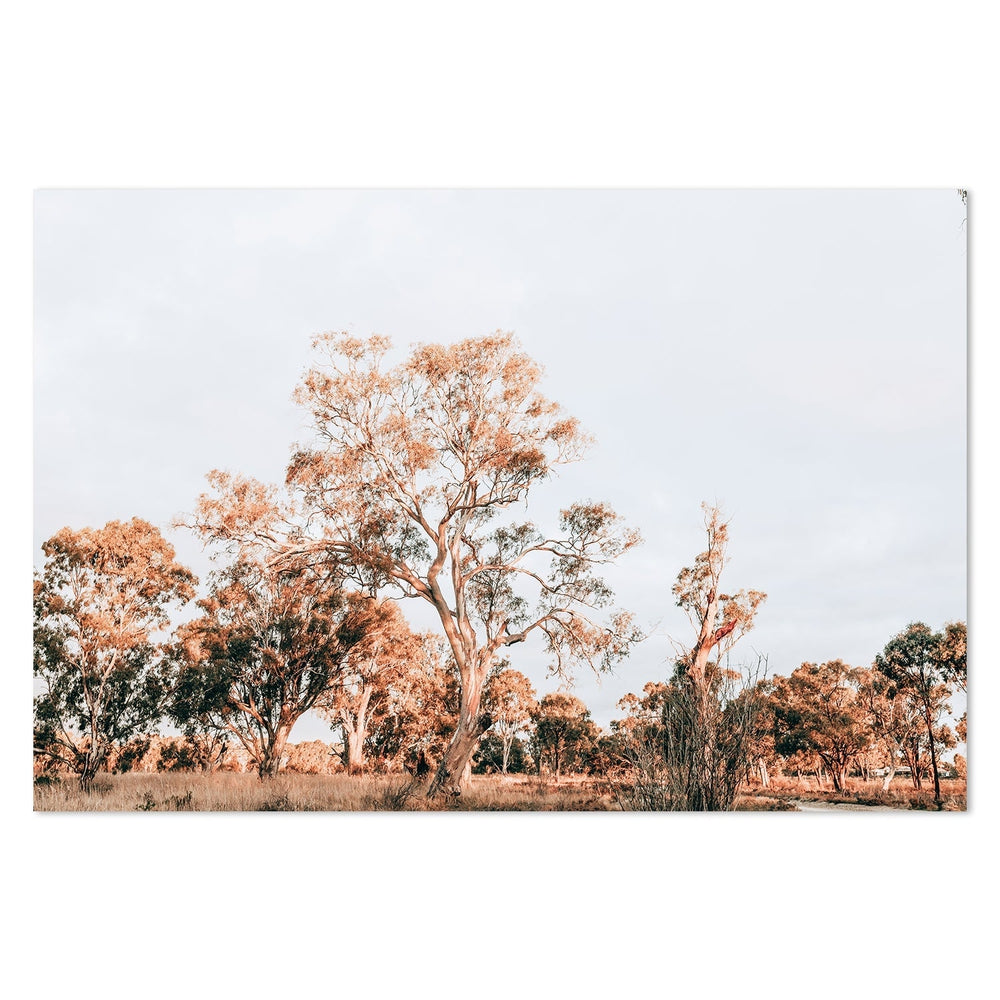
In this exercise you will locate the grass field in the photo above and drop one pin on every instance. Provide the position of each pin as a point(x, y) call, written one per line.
point(228, 792)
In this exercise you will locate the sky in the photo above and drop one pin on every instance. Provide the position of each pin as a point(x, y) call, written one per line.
point(797, 357)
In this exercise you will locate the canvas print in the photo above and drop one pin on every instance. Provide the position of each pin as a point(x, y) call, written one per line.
point(450, 500)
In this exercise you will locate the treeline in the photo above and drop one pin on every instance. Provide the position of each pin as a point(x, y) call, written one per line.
point(234, 681)
point(828, 721)
point(407, 493)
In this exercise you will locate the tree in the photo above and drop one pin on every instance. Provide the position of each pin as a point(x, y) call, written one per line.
point(510, 700)
point(923, 662)
point(953, 665)
point(409, 486)
point(101, 604)
point(719, 619)
point(374, 672)
point(707, 730)
point(952, 654)
point(896, 720)
point(564, 731)
point(415, 719)
point(818, 709)
point(494, 754)
point(265, 652)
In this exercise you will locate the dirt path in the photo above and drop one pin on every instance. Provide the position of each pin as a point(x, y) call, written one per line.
point(801, 805)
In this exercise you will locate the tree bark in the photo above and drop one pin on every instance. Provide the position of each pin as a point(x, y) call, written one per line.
point(451, 772)
point(765, 780)
point(355, 730)
point(93, 760)
point(934, 767)
point(355, 751)
point(270, 762)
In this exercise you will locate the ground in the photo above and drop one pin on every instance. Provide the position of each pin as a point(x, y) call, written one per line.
point(227, 792)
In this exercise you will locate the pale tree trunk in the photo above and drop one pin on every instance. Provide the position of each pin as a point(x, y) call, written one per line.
point(452, 770)
point(270, 762)
point(934, 767)
point(887, 780)
point(97, 750)
point(92, 762)
point(452, 775)
point(765, 780)
point(355, 750)
point(355, 730)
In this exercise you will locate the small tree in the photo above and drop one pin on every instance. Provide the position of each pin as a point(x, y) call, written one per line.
point(510, 700)
point(953, 665)
point(417, 717)
point(371, 678)
point(265, 652)
point(564, 731)
point(101, 605)
point(921, 661)
point(819, 709)
point(490, 757)
point(896, 721)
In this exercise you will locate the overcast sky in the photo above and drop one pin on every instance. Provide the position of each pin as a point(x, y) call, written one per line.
point(798, 357)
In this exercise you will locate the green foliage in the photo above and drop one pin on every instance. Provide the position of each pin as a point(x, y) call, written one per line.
point(564, 733)
point(197, 751)
point(489, 756)
point(131, 753)
point(101, 605)
point(927, 664)
point(818, 709)
point(265, 652)
point(420, 714)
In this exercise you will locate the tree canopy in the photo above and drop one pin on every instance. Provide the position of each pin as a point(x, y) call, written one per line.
point(408, 487)
point(101, 650)
point(267, 650)
point(924, 662)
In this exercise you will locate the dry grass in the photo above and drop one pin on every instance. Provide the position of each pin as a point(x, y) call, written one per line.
point(500, 793)
point(222, 792)
point(227, 792)
point(900, 795)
